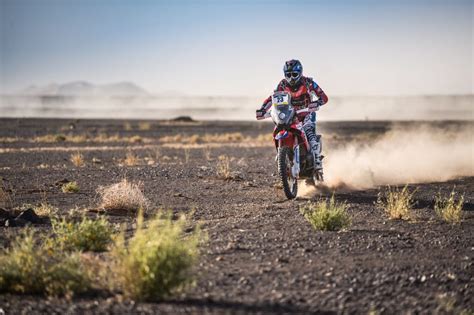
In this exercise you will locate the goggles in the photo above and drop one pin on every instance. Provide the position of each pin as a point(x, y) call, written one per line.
point(293, 75)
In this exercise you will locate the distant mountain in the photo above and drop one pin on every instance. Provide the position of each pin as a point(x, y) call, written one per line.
point(83, 88)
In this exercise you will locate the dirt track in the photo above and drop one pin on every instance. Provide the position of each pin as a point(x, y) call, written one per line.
point(262, 256)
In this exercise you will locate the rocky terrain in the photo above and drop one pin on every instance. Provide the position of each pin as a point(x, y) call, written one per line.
point(262, 256)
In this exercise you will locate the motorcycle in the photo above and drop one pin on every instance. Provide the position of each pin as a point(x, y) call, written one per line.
point(294, 158)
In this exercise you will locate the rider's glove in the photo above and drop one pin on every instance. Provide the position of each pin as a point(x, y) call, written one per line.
point(315, 106)
point(260, 113)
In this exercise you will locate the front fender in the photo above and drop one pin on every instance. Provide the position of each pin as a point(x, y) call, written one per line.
point(287, 142)
point(285, 138)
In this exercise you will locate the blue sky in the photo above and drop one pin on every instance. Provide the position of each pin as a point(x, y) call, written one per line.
point(238, 47)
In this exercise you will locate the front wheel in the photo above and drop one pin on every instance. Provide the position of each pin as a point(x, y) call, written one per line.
point(285, 162)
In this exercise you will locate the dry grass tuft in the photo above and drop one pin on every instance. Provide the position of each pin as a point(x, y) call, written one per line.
point(9, 139)
point(130, 159)
point(206, 138)
point(327, 215)
point(398, 204)
point(157, 260)
point(46, 210)
point(156, 154)
point(50, 138)
point(264, 138)
point(180, 139)
point(70, 188)
point(223, 167)
point(449, 209)
point(186, 155)
point(76, 138)
point(5, 198)
point(223, 137)
point(447, 304)
point(101, 138)
point(207, 153)
point(77, 159)
point(123, 196)
point(135, 139)
point(127, 126)
point(144, 125)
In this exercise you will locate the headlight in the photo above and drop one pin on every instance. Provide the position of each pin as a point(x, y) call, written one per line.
point(281, 116)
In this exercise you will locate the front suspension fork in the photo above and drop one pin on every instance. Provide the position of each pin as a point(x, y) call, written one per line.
point(295, 170)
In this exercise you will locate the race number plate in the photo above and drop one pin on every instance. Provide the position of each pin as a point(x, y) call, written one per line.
point(280, 99)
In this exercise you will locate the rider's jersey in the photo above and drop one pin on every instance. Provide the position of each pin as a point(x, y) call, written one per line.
point(300, 93)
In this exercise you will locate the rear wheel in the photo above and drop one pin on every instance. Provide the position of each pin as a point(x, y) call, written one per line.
point(285, 162)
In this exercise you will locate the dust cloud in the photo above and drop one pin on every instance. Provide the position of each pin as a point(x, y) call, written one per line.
point(346, 108)
point(400, 156)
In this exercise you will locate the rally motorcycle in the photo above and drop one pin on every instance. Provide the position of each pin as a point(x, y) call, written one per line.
point(294, 158)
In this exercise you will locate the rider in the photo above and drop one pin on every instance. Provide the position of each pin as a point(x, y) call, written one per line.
point(303, 91)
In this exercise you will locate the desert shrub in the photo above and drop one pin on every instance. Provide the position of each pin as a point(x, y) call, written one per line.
point(397, 203)
point(449, 209)
point(223, 167)
point(157, 260)
point(327, 215)
point(123, 196)
point(36, 269)
point(66, 275)
point(71, 187)
point(84, 235)
point(77, 159)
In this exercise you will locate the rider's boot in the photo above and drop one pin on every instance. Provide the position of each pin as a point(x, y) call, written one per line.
point(318, 162)
point(318, 157)
point(315, 143)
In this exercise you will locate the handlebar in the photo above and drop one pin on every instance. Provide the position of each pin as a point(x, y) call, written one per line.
point(301, 111)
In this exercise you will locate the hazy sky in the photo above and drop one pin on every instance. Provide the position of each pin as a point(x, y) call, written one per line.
point(238, 47)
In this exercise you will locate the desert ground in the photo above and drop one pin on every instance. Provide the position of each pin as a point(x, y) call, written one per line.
point(261, 256)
